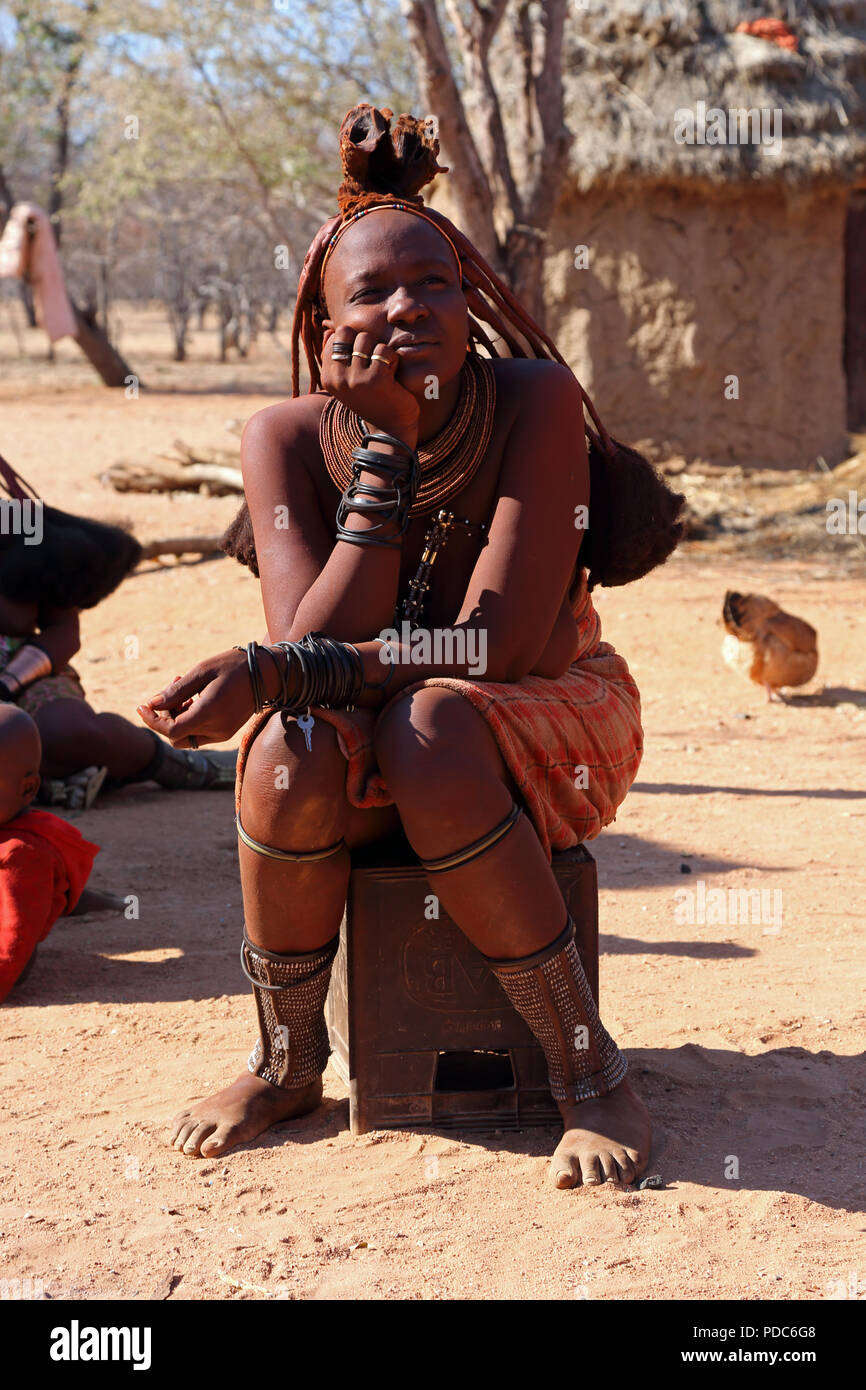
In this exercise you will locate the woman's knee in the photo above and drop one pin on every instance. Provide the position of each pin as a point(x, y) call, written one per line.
point(432, 738)
point(285, 783)
point(62, 721)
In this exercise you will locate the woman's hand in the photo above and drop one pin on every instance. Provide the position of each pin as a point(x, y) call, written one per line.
point(224, 704)
point(369, 388)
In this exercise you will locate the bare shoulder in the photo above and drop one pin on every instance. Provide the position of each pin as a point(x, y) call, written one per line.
point(526, 375)
point(290, 424)
point(533, 386)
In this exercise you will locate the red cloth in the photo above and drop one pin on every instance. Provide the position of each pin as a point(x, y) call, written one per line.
point(44, 867)
point(545, 730)
point(773, 30)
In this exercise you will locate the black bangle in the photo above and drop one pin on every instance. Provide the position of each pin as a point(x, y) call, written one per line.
point(282, 678)
point(390, 504)
point(382, 684)
point(330, 674)
point(6, 694)
point(255, 674)
point(364, 538)
point(381, 437)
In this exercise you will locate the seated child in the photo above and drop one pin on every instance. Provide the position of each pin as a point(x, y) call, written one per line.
point(44, 862)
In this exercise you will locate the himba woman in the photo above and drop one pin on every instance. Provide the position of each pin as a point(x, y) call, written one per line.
point(480, 772)
point(72, 564)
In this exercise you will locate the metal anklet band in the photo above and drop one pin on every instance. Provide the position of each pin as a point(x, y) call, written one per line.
point(293, 1047)
point(541, 957)
point(271, 852)
point(549, 989)
point(463, 856)
point(319, 960)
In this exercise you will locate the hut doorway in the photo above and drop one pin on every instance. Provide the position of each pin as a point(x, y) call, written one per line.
point(855, 308)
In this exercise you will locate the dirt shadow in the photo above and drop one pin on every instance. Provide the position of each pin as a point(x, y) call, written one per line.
point(831, 695)
point(787, 1120)
point(609, 944)
point(626, 861)
point(702, 788)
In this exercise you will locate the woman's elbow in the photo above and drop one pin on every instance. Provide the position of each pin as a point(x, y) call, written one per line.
point(507, 667)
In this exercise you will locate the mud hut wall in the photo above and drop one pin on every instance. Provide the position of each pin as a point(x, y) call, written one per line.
point(684, 289)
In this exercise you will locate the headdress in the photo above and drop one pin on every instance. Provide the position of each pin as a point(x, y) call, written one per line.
point(385, 168)
point(635, 514)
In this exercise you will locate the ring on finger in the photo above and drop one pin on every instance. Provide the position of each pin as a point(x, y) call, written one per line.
point(377, 357)
point(341, 352)
point(365, 355)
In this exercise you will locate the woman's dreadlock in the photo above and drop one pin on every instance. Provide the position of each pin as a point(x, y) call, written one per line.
point(382, 166)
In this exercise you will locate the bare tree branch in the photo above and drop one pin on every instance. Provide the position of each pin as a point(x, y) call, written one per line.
point(249, 159)
point(553, 138)
point(475, 40)
point(440, 95)
point(6, 199)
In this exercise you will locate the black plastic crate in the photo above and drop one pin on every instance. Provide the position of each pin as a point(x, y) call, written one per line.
point(421, 1030)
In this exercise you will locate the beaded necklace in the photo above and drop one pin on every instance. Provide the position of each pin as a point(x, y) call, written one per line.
point(448, 461)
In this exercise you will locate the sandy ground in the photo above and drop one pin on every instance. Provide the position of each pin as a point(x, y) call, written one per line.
point(743, 1038)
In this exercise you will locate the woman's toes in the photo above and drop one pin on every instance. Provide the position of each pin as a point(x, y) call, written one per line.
point(609, 1168)
point(181, 1119)
point(564, 1170)
point(183, 1132)
point(193, 1144)
point(215, 1143)
point(626, 1168)
point(590, 1172)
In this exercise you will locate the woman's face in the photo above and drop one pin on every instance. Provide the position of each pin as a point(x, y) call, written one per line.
point(392, 274)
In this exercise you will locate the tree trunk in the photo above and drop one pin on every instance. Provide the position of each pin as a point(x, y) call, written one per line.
point(524, 268)
point(27, 300)
point(179, 334)
point(99, 352)
point(507, 173)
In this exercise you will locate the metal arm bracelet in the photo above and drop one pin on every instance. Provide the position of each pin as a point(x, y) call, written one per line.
point(392, 503)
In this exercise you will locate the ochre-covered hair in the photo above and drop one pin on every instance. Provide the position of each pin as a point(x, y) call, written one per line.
point(384, 166)
point(77, 563)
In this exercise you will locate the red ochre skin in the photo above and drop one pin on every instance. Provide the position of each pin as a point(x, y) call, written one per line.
point(393, 277)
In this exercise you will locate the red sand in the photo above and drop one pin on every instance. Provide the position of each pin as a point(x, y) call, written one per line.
point(744, 1042)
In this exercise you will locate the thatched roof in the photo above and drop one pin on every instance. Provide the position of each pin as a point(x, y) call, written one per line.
point(631, 64)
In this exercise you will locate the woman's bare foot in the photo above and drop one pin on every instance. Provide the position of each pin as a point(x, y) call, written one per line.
point(605, 1140)
point(238, 1114)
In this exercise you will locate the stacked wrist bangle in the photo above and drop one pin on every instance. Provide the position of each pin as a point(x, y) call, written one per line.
point(318, 671)
point(30, 663)
point(390, 503)
point(252, 650)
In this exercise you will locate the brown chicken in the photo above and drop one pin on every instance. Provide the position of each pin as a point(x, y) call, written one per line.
point(772, 647)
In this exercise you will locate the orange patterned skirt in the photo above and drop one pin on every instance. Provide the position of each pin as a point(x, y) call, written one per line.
point(572, 745)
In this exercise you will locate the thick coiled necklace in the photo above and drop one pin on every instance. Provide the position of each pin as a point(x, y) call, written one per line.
point(449, 461)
